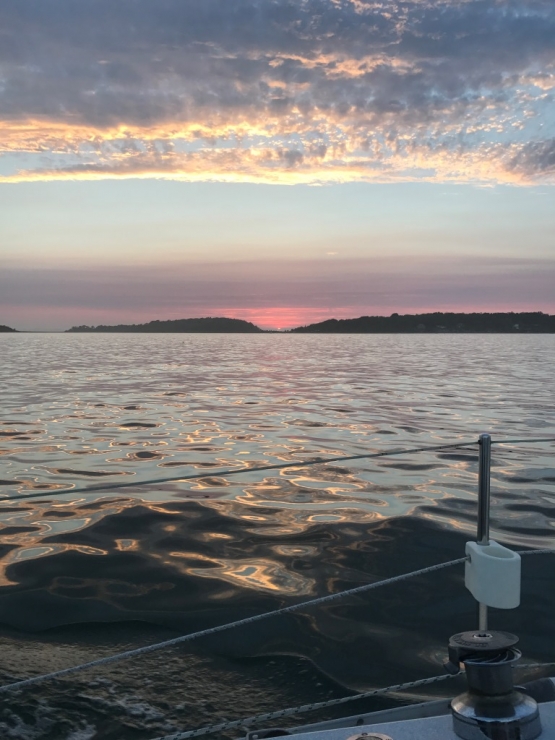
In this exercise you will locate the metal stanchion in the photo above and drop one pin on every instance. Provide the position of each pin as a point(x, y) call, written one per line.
point(484, 473)
point(491, 707)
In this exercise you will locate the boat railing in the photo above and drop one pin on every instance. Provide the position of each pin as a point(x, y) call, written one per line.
point(264, 468)
point(484, 443)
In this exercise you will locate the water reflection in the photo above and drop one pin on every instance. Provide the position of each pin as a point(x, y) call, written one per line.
point(195, 553)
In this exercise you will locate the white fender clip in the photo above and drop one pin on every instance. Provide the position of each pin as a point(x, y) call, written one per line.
point(492, 574)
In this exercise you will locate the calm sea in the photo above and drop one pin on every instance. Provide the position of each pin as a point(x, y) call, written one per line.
point(88, 574)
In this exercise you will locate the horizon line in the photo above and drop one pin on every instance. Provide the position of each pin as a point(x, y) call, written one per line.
point(84, 328)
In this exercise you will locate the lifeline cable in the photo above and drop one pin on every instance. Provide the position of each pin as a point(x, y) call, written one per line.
point(220, 628)
point(292, 711)
point(278, 466)
point(520, 441)
point(234, 471)
point(241, 622)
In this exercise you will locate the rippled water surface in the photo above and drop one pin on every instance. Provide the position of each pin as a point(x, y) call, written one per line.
point(85, 573)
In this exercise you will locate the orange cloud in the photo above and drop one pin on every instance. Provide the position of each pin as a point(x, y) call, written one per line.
point(319, 91)
point(85, 154)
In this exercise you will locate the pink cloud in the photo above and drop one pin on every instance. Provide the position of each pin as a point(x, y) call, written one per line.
point(274, 294)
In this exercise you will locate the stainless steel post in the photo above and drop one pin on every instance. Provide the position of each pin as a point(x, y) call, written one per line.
point(491, 708)
point(484, 469)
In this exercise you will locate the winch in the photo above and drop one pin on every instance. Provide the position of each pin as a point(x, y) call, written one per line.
point(491, 708)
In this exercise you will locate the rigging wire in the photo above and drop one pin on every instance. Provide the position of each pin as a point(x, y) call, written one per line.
point(235, 471)
point(262, 468)
point(521, 441)
point(292, 711)
point(241, 622)
point(18, 685)
point(220, 628)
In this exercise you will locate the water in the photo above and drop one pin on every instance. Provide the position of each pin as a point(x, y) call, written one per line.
point(88, 574)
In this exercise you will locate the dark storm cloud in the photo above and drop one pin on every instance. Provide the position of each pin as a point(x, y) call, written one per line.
point(384, 81)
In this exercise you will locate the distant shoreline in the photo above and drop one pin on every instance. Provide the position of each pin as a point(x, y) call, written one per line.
point(438, 323)
point(535, 322)
point(207, 325)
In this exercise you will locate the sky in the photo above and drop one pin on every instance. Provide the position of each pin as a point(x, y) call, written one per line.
point(281, 161)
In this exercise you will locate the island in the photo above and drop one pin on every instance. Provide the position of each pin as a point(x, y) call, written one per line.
point(6, 328)
point(197, 326)
point(434, 323)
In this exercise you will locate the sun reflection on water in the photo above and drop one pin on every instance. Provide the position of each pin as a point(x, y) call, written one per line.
point(134, 408)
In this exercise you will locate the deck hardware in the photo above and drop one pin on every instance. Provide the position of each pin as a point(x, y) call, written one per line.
point(484, 471)
point(492, 575)
point(492, 571)
point(491, 707)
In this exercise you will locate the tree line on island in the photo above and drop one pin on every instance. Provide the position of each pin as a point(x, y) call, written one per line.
point(437, 322)
point(535, 322)
point(195, 326)
point(426, 323)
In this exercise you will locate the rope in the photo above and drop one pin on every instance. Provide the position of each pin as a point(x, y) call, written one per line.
point(292, 711)
point(530, 666)
point(285, 610)
point(236, 471)
point(520, 441)
point(546, 551)
point(240, 623)
point(279, 466)
point(220, 628)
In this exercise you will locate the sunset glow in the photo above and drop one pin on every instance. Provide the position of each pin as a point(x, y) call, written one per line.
point(218, 140)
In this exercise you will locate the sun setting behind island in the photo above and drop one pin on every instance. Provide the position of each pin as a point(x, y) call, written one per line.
point(283, 163)
point(277, 330)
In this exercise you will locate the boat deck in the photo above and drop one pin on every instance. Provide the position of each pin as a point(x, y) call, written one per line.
point(427, 728)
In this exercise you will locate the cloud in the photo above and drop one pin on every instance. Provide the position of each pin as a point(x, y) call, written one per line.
point(535, 157)
point(276, 90)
